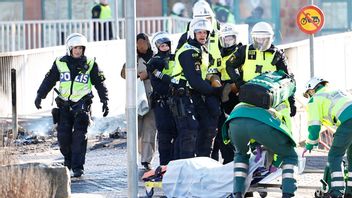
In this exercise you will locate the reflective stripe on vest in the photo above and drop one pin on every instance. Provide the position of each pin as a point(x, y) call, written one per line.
point(70, 89)
point(257, 62)
point(335, 101)
point(105, 12)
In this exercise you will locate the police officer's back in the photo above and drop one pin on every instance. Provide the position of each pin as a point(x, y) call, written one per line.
point(102, 11)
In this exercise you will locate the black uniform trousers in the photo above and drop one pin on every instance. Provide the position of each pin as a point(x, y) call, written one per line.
point(72, 134)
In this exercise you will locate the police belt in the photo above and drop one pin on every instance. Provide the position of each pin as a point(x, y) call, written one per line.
point(87, 99)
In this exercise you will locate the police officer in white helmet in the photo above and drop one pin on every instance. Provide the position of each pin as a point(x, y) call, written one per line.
point(76, 74)
point(258, 57)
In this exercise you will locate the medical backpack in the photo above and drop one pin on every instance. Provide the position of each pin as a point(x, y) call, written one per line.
point(268, 90)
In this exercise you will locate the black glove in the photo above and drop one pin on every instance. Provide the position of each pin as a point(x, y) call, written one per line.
point(293, 107)
point(105, 108)
point(37, 102)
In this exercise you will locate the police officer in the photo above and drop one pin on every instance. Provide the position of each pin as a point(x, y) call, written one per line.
point(331, 108)
point(76, 74)
point(191, 64)
point(102, 11)
point(259, 57)
point(160, 69)
point(202, 9)
point(228, 37)
point(268, 128)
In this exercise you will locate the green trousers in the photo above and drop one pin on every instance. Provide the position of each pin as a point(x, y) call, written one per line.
point(241, 130)
point(342, 142)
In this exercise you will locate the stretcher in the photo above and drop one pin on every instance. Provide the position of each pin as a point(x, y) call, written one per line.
point(205, 177)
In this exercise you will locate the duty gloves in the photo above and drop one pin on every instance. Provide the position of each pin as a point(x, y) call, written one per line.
point(105, 108)
point(38, 102)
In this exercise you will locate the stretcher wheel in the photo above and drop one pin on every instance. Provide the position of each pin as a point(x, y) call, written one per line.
point(263, 194)
point(149, 193)
point(319, 194)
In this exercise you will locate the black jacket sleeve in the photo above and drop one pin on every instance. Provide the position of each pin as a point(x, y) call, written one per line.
point(98, 78)
point(234, 63)
point(160, 86)
point(49, 81)
point(192, 72)
point(96, 10)
point(280, 60)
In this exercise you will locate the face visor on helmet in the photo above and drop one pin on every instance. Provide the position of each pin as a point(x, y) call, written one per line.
point(262, 42)
point(228, 40)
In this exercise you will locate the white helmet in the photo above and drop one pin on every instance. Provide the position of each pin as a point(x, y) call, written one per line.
point(178, 8)
point(228, 35)
point(75, 39)
point(312, 84)
point(197, 24)
point(262, 35)
point(160, 38)
point(202, 9)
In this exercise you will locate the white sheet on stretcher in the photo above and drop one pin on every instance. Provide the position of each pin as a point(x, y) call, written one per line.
point(203, 177)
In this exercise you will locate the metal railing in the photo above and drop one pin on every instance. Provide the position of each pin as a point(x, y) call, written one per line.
point(22, 35)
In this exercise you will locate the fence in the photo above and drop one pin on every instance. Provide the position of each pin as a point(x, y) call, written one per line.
point(22, 35)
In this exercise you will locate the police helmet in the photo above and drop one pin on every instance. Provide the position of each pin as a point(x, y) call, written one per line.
point(262, 35)
point(178, 8)
point(312, 84)
point(202, 9)
point(198, 24)
point(160, 38)
point(74, 40)
point(228, 35)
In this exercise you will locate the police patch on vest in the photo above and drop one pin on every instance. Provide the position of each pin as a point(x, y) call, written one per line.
point(252, 55)
point(195, 55)
point(85, 68)
point(101, 76)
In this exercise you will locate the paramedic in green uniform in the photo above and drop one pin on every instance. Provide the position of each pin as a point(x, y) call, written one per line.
point(268, 128)
point(331, 108)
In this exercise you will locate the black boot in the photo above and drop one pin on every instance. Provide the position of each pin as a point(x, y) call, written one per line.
point(78, 172)
point(287, 195)
point(248, 194)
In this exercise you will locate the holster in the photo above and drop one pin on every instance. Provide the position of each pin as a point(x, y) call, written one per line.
point(61, 103)
point(55, 112)
point(177, 107)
